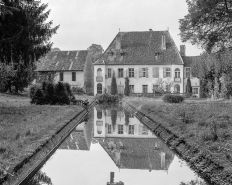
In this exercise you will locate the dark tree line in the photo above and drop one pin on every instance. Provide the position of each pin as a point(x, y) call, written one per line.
point(24, 38)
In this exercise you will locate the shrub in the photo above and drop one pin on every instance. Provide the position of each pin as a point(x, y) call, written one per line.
point(78, 90)
point(169, 98)
point(49, 96)
point(107, 98)
point(33, 89)
point(38, 98)
point(61, 94)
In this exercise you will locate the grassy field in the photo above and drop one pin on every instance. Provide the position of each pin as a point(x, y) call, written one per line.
point(24, 127)
point(202, 122)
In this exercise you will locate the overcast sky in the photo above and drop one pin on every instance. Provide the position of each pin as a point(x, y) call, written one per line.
point(86, 22)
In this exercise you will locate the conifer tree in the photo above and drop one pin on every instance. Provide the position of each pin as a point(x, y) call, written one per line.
point(127, 88)
point(88, 74)
point(189, 87)
point(114, 89)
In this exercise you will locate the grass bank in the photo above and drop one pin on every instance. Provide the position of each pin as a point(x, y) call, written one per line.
point(24, 127)
point(202, 122)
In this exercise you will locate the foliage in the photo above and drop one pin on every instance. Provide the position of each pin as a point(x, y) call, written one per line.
point(114, 117)
point(49, 93)
point(127, 88)
point(160, 85)
point(78, 90)
point(194, 182)
point(168, 98)
point(114, 89)
point(40, 178)
point(24, 38)
point(189, 87)
point(127, 116)
point(207, 24)
point(96, 50)
point(107, 98)
point(88, 74)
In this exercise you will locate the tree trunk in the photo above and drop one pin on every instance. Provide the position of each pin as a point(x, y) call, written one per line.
point(9, 86)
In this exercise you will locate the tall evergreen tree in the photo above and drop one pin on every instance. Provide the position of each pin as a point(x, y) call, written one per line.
point(24, 38)
point(127, 88)
point(114, 89)
point(188, 86)
point(88, 74)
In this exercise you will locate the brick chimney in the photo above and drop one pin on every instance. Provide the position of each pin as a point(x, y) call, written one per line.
point(150, 29)
point(118, 42)
point(182, 50)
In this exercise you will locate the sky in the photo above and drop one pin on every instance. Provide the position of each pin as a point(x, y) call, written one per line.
point(86, 22)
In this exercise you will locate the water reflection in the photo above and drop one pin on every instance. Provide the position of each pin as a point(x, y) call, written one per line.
point(113, 140)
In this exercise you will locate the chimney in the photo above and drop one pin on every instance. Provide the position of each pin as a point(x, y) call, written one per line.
point(118, 42)
point(150, 30)
point(182, 50)
point(163, 43)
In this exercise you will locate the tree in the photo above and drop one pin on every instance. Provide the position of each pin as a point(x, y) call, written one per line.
point(55, 49)
point(96, 51)
point(114, 89)
point(189, 87)
point(88, 74)
point(24, 38)
point(208, 24)
point(127, 88)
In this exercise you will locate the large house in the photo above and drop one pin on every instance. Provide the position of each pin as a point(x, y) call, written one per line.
point(64, 66)
point(149, 58)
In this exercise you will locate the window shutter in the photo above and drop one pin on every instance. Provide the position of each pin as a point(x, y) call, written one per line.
point(140, 73)
point(147, 72)
point(184, 72)
point(118, 73)
point(157, 72)
point(124, 73)
point(136, 75)
point(106, 73)
point(170, 72)
point(164, 72)
point(153, 72)
point(127, 72)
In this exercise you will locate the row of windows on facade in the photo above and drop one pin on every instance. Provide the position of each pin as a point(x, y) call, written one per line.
point(121, 88)
point(73, 76)
point(131, 129)
point(143, 72)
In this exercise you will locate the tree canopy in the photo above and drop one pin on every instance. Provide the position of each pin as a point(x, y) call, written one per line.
point(208, 24)
point(96, 50)
point(24, 37)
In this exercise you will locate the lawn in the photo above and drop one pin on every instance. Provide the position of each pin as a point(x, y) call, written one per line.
point(24, 127)
point(202, 122)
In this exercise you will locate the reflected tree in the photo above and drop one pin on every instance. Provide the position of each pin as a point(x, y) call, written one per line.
point(40, 178)
point(194, 182)
point(114, 118)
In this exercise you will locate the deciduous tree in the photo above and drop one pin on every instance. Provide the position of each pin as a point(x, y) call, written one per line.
point(88, 74)
point(208, 24)
point(96, 50)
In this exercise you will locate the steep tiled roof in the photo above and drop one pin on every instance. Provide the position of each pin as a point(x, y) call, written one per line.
point(189, 60)
point(141, 48)
point(62, 60)
point(139, 153)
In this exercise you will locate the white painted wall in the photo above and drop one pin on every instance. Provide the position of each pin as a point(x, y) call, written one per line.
point(68, 78)
point(136, 81)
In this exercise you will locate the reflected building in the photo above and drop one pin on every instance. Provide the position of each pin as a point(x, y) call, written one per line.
point(81, 137)
point(128, 142)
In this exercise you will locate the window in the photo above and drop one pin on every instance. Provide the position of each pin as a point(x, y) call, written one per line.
point(187, 72)
point(143, 72)
point(109, 72)
point(99, 114)
point(144, 130)
point(99, 72)
point(131, 88)
point(195, 90)
point(73, 76)
point(120, 73)
point(177, 88)
point(155, 72)
point(109, 129)
point(177, 73)
point(131, 129)
point(99, 88)
point(131, 72)
point(61, 76)
point(144, 88)
point(168, 72)
point(120, 129)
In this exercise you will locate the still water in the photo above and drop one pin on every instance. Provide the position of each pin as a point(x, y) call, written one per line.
point(113, 140)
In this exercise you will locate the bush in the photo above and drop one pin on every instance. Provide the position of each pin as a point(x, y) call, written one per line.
point(169, 98)
point(107, 98)
point(78, 90)
point(33, 89)
point(49, 93)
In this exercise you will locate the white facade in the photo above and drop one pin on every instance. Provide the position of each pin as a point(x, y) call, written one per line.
point(138, 81)
point(67, 77)
point(103, 126)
